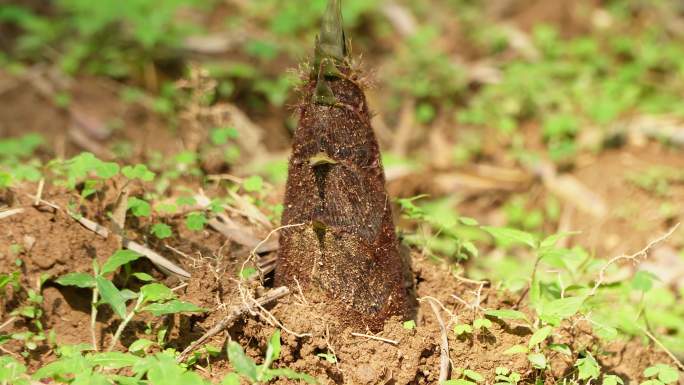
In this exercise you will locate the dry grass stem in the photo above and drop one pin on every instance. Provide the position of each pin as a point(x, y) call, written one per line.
point(444, 360)
point(372, 337)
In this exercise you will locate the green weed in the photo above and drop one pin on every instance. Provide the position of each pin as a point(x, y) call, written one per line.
point(103, 37)
point(254, 373)
point(153, 298)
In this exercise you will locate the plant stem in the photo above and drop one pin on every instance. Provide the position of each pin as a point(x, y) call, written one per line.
point(125, 322)
point(533, 280)
point(93, 318)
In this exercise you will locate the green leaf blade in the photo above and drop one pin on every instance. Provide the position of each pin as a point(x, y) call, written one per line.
point(172, 307)
point(118, 259)
point(511, 236)
point(81, 280)
point(111, 296)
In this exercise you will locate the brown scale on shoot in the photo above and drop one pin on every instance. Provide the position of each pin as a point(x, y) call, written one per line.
point(347, 250)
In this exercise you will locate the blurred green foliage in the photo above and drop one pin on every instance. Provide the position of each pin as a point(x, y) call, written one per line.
point(105, 37)
point(570, 82)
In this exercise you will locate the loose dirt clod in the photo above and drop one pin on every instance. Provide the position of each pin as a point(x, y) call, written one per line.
point(347, 252)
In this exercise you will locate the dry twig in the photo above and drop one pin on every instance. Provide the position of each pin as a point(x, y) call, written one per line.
point(8, 322)
point(11, 212)
point(444, 360)
point(330, 347)
point(156, 258)
point(372, 337)
point(664, 348)
point(39, 192)
point(90, 225)
point(635, 258)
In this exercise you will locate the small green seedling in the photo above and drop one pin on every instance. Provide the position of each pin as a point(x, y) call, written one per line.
point(482, 324)
point(161, 230)
point(140, 347)
point(9, 280)
point(329, 357)
point(538, 360)
point(611, 379)
point(409, 325)
point(505, 376)
point(153, 298)
point(254, 373)
point(660, 374)
point(516, 349)
point(138, 171)
point(465, 377)
point(31, 310)
point(507, 314)
point(139, 207)
point(86, 168)
point(462, 329)
point(75, 366)
point(12, 372)
point(539, 336)
point(587, 367)
point(195, 221)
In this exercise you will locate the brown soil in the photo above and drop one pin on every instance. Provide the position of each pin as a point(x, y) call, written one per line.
point(97, 103)
point(54, 244)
